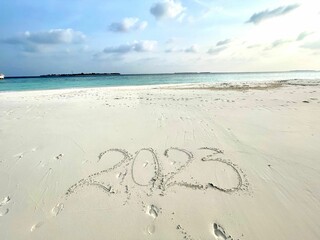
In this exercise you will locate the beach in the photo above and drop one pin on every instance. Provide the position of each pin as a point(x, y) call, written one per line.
point(186, 161)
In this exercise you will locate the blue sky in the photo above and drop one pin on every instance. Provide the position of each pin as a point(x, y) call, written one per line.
point(58, 36)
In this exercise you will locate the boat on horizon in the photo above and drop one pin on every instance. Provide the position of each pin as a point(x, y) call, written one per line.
point(1, 76)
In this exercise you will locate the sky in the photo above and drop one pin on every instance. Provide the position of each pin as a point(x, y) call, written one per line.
point(158, 36)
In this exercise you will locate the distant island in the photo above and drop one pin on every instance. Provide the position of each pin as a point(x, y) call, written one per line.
point(80, 74)
point(67, 75)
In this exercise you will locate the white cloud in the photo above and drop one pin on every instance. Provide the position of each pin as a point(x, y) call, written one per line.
point(303, 35)
point(171, 50)
point(215, 51)
point(36, 41)
point(254, 46)
point(280, 42)
point(192, 49)
point(137, 46)
point(145, 46)
point(128, 24)
point(54, 36)
point(224, 42)
point(312, 45)
point(57, 36)
point(266, 14)
point(167, 9)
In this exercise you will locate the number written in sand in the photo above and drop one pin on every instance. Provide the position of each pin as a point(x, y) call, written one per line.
point(148, 172)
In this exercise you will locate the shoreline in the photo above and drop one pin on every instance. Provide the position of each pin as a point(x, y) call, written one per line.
point(204, 85)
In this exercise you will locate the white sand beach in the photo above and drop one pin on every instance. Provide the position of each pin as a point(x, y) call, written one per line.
point(220, 161)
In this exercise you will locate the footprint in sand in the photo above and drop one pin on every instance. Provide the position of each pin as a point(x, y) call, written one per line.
point(36, 226)
point(220, 233)
point(58, 157)
point(3, 210)
point(153, 211)
point(19, 156)
point(5, 201)
point(57, 209)
point(151, 229)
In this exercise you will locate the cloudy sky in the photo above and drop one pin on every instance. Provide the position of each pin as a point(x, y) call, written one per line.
point(156, 36)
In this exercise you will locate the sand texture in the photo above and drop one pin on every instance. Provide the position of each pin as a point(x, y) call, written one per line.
point(224, 161)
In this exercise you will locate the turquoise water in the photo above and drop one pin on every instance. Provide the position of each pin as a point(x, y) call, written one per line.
point(24, 84)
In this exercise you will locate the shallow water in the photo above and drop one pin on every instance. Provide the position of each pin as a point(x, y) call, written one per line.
point(23, 84)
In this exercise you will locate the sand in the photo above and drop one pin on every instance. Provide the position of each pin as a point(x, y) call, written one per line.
point(199, 161)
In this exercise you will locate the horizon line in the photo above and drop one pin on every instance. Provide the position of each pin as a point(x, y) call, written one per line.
point(165, 73)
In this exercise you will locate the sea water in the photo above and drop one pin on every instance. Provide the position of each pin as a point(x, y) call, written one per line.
point(46, 83)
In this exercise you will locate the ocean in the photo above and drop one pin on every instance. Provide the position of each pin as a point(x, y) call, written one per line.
point(26, 84)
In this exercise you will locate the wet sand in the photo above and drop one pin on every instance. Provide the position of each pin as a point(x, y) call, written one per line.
point(194, 161)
